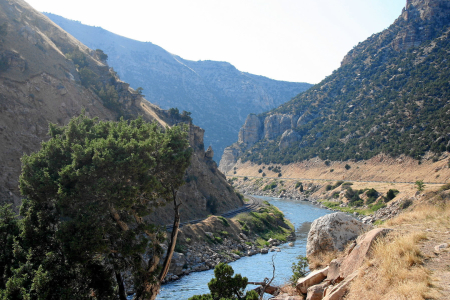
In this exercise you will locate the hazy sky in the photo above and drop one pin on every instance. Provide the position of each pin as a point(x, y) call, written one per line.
point(292, 40)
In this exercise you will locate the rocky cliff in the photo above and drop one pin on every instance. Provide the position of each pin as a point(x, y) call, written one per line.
point(39, 84)
point(389, 96)
point(217, 94)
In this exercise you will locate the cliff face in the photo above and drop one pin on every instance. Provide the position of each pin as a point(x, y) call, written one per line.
point(38, 85)
point(389, 96)
point(217, 94)
point(419, 21)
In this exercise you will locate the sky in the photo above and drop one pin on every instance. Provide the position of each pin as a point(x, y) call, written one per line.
point(291, 40)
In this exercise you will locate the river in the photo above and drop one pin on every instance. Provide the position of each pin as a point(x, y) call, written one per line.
point(257, 267)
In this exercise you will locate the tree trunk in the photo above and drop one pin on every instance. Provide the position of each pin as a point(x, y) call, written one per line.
point(151, 284)
point(122, 295)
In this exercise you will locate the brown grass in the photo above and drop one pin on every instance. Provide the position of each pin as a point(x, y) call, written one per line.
point(321, 260)
point(395, 271)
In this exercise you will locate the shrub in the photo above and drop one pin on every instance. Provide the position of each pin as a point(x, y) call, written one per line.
point(299, 269)
point(391, 194)
point(347, 166)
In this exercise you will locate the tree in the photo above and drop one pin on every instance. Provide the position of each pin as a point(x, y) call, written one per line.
point(420, 185)
point(139, 90)
point(87, 192)
point(225, 286)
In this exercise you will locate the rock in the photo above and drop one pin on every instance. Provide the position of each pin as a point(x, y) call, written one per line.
point(360, 252)
point(287, 297)
point(313, 278)
point(332, 232)
point(177, 263)
point(264, 251)
point(210, 235)
point(337, 292)
point(438, 248)
point(333, 275)
point(209, 153)
point(288, 138)
point(315, 292)
point(243, 236)
point(291, 244)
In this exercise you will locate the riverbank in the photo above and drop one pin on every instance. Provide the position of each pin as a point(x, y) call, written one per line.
point(371, 202)
point(203, 245)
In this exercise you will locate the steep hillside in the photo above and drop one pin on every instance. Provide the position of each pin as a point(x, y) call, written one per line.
point(217, 94)
point(390, 95)
point(46, 75)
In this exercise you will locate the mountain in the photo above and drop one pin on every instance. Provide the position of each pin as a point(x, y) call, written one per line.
point(217, 94)
point(391, 95)
point(46, 75)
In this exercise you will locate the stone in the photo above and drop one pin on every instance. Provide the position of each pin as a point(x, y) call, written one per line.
point(313, 278)
point(209, 153)
point(315, 292)
point(288, 138)
point(332, 232)
point(338, 291)
point(288, 297)
point(354, 260)
point(438, 248)
point(210, 235)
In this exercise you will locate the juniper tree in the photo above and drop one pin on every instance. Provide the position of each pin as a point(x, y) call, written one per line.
point(86, 195)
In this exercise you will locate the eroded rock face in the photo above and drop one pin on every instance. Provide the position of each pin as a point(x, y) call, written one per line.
point(288, 138)
point(332, 232)
point(252, 130)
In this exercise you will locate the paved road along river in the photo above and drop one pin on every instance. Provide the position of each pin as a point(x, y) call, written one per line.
point(257, 267)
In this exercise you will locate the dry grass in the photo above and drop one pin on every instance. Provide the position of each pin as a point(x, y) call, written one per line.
point(395, 271)
point(321, 260)
point(424, 212)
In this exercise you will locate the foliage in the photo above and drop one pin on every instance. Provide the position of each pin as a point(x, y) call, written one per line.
point(185, 116)
point(225, 286)
point(353, 197)
point(347, 166)
point(372, 195)
point(101, 55)
point(85, 195)
point(380, 101)
point(78, 58)
point(299, 269)
point(270, 186)
point(420, 185)
point(391, 194)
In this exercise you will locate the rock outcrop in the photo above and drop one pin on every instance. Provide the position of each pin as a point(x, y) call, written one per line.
point(332, 282)
point(332, 233)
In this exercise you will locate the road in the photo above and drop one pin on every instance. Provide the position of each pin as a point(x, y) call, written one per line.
point(348, 180)
point(252, 205)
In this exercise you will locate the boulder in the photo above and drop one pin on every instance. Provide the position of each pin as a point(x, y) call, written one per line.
point(354, 260)
point(332, 232)
point(287, 297)
point(313, 278)
point(337, 292)
point(315, 292)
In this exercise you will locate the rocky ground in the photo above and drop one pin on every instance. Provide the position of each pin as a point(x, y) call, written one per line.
point(203, 245)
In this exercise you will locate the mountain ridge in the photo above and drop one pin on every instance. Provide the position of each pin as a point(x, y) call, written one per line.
point(389, 96)
point(46, 75)
point(218, 95)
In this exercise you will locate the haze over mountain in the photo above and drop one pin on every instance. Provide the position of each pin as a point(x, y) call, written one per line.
point(390, 95)
point(217, 94)
point(46, 75)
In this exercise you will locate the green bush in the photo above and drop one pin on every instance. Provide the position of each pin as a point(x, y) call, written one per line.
point(299, 269)
point(226, 286)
